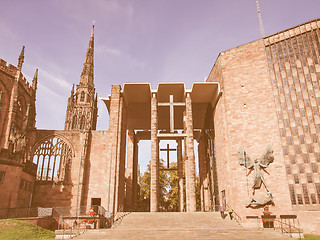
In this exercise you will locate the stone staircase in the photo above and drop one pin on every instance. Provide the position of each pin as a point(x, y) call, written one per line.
point(164, 225)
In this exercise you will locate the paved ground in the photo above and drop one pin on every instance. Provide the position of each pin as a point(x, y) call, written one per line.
point(180, 226)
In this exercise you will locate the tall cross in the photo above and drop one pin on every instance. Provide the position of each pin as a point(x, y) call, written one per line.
point(168, 149)
point(171, 105)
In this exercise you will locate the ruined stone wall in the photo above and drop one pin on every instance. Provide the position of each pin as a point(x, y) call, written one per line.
point(25, 102)
point(48, 194)
point(15, 118)
point(93, 173)
point(16, 188)
point(97, 168)
point(6, 81)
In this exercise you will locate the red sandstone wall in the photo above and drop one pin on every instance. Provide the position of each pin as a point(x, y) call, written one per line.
point(254, 126)
point(47, 194)
point(24, 194)
point(98, 167)
point(5, 87)
point(25, 96)
point(221, 129)
point(94, 172)
point(12, 195)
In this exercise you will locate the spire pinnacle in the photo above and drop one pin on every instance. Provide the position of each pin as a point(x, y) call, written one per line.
point(87, 70)
point(35, 80)
point(21, 58)
point(72, 90)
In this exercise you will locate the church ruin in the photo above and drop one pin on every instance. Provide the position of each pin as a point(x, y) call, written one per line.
point(262, 93)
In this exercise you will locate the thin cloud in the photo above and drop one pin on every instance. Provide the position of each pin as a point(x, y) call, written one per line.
point(47, 76)
point(104, 49)
point(136, 63)
point(6, 31)
point(43, 88)
point(99, 8)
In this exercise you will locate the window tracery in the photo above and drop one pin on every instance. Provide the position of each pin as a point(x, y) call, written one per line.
point(83, 122)
point(82, 96)
point(74, 122)
point(52, 157)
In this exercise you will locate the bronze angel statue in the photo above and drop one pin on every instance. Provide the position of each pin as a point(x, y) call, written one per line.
point(256, 166)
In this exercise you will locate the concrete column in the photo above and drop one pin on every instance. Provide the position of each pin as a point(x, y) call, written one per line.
point(207, 192)
point(135, 188)
point(185, 162)
point(204, 180)
point(202, 172)
point(180, 175)
point(154, 185)
point(129, 171)
point(190, 166)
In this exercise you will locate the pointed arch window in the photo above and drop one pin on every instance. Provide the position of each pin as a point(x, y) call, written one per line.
point(21, 111)
point(52, 156)
point(74, 122)
point(82, 96)
point(82, 122)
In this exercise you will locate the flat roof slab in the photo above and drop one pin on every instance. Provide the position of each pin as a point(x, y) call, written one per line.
point(178, 90)
point(137, 96)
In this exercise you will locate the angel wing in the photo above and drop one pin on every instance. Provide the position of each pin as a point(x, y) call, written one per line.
point(267, 157)
point(244, 158)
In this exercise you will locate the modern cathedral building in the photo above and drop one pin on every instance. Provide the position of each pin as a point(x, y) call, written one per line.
point(255, 120)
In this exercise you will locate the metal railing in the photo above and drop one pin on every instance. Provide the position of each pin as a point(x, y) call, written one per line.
point(75, 221)
point(234, 215)
point(71, 221)
point(286, 224)
point(117, 219)
point(70, 216)
point(6, 213)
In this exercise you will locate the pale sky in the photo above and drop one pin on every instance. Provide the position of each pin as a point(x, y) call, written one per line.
point(135, 41)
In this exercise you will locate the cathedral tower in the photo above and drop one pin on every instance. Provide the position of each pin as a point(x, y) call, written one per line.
point(82, 104)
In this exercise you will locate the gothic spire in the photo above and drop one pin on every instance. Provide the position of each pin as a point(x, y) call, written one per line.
point(87, 70)
point(21, 59)
point(35, 80)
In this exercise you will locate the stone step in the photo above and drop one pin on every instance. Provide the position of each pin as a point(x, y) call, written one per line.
point(167, 226)
point(232, 234)
point(175, 220)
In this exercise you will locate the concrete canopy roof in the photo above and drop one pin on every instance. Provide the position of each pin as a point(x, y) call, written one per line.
point(137, 96)
point(178, 90)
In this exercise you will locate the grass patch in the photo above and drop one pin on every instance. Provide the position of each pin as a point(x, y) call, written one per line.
point(311, 237)
point(19, 229)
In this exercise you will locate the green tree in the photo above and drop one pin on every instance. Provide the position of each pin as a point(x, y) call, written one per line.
point(198, 197)
point(173, 193)
point(169, 189)
point(145, 188)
